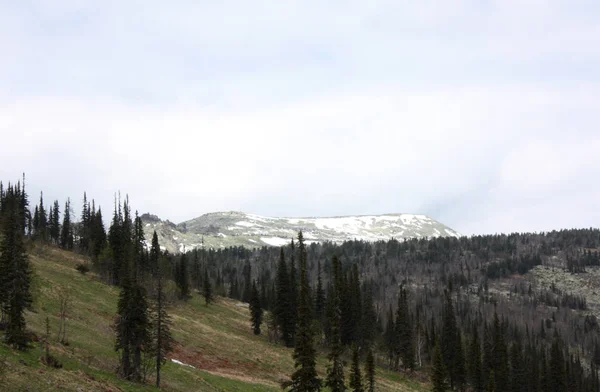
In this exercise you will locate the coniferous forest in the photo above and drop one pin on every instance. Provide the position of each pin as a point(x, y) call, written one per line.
point(454, 311)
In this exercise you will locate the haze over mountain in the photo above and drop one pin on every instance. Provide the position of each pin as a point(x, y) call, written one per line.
point(233, 228)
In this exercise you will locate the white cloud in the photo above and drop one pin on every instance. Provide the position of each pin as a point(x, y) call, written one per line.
point(483, 115)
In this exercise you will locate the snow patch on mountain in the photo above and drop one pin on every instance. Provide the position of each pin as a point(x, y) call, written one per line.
point(222, 229)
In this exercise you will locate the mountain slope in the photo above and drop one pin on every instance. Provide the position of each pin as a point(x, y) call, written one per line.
point(222, 229)
point(216, 349)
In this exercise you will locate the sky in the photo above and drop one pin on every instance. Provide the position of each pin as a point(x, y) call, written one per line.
point(484, 115)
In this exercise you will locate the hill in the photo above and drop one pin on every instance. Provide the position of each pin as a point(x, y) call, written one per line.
point(223, 229)
point(216, 349)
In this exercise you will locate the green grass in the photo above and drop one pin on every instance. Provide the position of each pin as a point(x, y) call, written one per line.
point(216, 340)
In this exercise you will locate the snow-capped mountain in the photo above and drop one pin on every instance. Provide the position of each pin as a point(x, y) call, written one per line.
point(223, 229)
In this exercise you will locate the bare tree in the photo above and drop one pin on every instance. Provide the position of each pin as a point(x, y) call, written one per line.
point(64, 300)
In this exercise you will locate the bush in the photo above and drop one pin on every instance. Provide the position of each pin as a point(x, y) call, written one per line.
point(83, 268)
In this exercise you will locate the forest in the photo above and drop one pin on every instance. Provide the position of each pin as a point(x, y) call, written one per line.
point(433, 306)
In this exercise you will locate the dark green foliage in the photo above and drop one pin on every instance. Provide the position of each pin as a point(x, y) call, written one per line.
point(304, 378)
point(293, 293)
point(438, 375)
point(207, 291)
point(368, 324)
point(54, 224)
point(355, 373)
point(247, 273)
point(335, 370)
point(319, 295)
point(182, 278)
point(500, 355)
point(154, 257)
point(133, 329)
point(82, 268)
point(474, 362)
point(370, 371)
point(15, 271)
point(283, 303)
point(558, 377)
point(403, 348)
point(162, 340)
point(518, 380)
point(66, 234)
point(256, 311)
point(451, 345)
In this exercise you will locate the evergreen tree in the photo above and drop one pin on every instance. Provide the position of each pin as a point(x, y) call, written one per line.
point(55, 223)
point(256, 311)
point(183, 281)
point(355, 374)
point(404, 333)
point(474, 358)
point(163, 340)
point(451, 345)
point(154, 254)
point(558, 379)
point(42, 229)
point(438, 377)
point(207, 289)
point(368, 328)
point(319, 295)
point(66, 234)
point(335, 371)
point(84, 231)
point(283, 304)
point(370, 370)
point(15, 272)
point(518, 382)
point(293, 293)
point(247, 273)
point(304, 378)
point(98, 235)
point(500, 355)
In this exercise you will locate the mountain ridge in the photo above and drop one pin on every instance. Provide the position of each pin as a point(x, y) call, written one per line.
point(236, 228)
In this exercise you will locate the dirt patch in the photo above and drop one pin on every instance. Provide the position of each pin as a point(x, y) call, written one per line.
point(243, 371)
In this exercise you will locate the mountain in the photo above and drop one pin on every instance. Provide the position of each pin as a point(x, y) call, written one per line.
point(223, 229)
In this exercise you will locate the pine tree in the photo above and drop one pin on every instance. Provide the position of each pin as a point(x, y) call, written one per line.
point(207, 289)
point(133, 325)
point(475, 371)
point(42, 229)
point(370, 370)
point(451, 345)
point(500, 355)
point(256, 310)
point(163, 340)
point(247, 273)
point(438, 376)
point(355, 374)
point(404, 333)
point(368, 328)
point(15, 272)
point(98, 236)
point(66, 234)
point(55, 223)
point(319, 295)
point(304, 379)
point(283, 305)
point(293, 293)
point(154, 254)
point(335, 371)
point(557, 366)
point(84, 232)
point(183, 281)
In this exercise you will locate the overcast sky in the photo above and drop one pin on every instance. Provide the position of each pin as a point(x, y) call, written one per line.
point(484, 115)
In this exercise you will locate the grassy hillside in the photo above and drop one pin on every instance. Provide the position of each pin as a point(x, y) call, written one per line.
point(216, 342)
